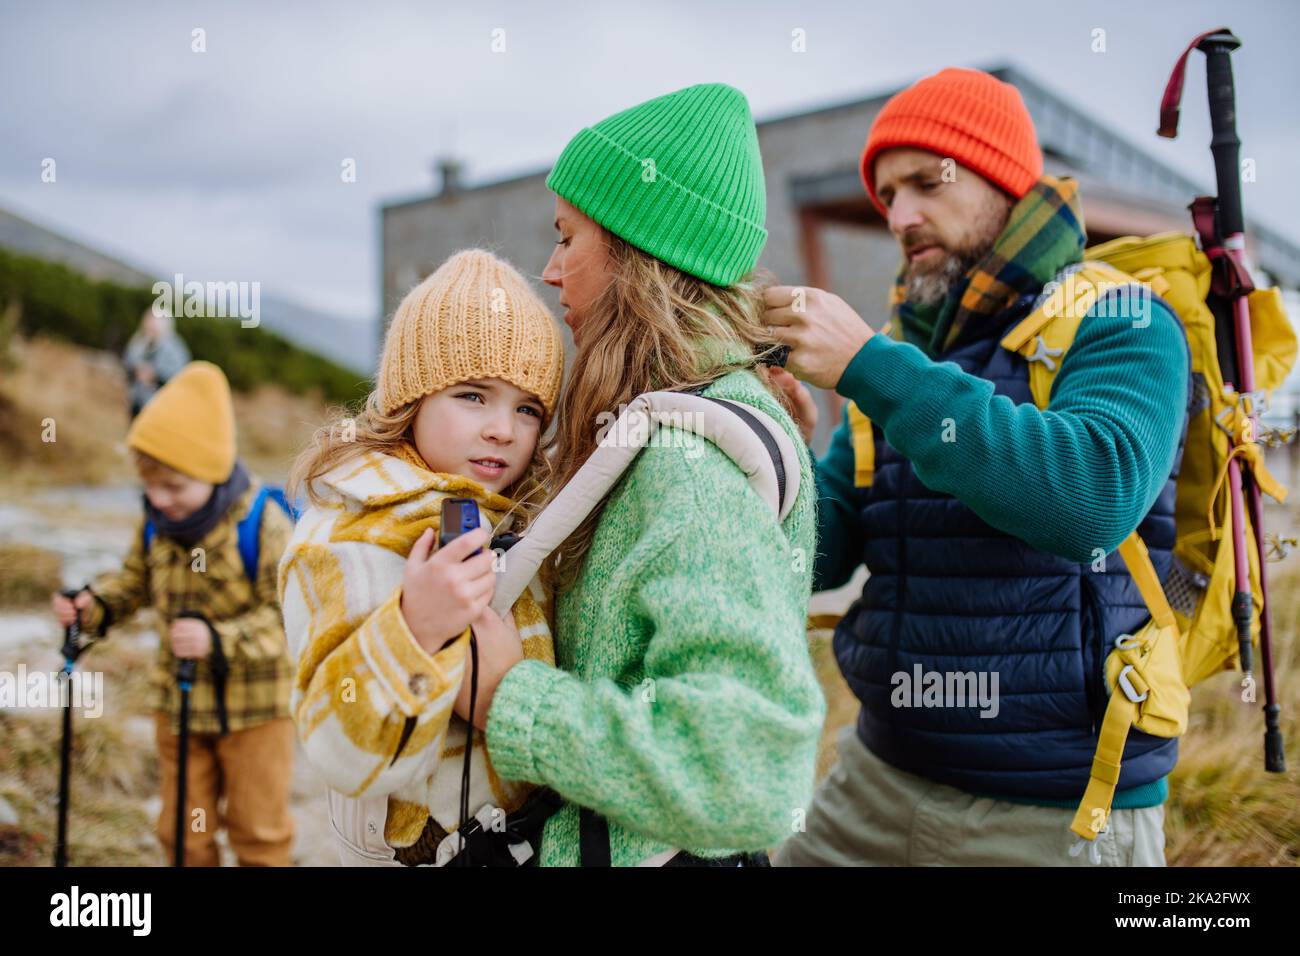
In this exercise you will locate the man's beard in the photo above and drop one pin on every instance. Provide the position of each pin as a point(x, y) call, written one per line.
point(929, 284)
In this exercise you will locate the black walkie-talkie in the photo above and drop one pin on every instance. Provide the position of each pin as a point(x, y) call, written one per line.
point(778, 358)
point(459, 516)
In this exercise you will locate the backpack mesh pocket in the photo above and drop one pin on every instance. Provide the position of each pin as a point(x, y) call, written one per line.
point(1184, 588)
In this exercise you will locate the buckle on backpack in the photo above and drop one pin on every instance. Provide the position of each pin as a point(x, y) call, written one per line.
point(1126, 685)
point(1044, 354)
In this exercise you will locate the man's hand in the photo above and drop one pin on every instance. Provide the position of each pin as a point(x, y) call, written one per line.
point(823, 332)
point(190, 638)
point(804, 405)
point(499, 649)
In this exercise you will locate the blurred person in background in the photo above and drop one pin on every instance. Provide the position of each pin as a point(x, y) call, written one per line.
point(153, 355)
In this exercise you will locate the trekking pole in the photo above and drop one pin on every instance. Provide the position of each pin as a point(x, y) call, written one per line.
point(186, 671)
point(1232, 319)
point(71, 651)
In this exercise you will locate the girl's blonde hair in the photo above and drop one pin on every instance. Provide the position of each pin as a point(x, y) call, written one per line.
point(347, 435)
point(653, 328)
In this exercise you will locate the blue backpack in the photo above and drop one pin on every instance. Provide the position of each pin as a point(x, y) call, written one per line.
point(249, 528)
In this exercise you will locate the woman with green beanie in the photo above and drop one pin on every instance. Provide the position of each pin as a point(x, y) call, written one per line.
point(682, 727)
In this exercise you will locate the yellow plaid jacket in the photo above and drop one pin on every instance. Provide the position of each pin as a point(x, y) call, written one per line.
point(210, 580)
point(373, 708)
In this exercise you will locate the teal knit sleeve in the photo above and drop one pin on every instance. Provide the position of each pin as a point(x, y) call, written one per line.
point(711, 742)
point(839, 530)
point(1070, 479)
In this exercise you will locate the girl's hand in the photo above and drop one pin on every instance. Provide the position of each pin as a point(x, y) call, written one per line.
point(499, 649)
point(67, 610)
point(442, 592)
point(804, 405)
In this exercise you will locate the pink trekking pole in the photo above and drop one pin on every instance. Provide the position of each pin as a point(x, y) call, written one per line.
point(1221, 226)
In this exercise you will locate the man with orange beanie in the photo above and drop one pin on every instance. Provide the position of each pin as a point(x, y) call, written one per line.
point(988, 521)
point(205, 559)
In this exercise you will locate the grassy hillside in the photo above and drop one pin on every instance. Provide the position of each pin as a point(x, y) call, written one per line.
point(82, 391)
point(39, 297)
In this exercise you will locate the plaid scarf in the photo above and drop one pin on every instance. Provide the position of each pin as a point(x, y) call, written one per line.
point(1043, 235)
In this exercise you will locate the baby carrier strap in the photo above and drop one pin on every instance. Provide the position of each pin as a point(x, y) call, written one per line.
point(758, 445)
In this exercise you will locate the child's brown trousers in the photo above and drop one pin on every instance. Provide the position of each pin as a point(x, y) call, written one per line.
point(253, 770)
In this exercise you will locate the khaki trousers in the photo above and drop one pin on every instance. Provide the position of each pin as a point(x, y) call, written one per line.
point(868, 813)
point(253, 770)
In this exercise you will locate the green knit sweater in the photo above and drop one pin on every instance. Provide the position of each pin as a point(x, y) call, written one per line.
point(685, 709)
point(1077, 476)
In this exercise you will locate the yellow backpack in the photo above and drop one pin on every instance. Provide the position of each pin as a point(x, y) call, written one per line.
point(1191, 634)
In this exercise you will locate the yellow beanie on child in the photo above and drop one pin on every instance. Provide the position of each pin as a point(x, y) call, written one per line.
point(475, 317)
point(189, 424)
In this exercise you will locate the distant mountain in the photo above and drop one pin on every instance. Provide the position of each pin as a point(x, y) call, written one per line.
point(20, 235)
point(354, 344)
point(351, 343)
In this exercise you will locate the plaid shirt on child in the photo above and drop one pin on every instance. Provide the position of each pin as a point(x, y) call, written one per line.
point(246, 616)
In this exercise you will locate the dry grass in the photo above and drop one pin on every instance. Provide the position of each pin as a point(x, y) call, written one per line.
point(84, 392)
point(273, 426)
point(841, 705)
point(78, 392)
point(27, 574)
point(111, 778)
point(1224, 810)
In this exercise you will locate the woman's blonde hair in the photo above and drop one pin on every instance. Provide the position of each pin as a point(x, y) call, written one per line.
point(348, 434)
point(653, 328)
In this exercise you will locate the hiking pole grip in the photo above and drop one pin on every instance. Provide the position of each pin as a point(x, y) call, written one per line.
point(1274, 752)
point(1225, 144)
point(1242, 612)
point(70, 650)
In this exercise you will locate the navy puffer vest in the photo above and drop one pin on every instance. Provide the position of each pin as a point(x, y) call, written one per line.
point(952, 594)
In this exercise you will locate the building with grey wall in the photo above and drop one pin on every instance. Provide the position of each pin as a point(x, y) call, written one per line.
point(823, 230)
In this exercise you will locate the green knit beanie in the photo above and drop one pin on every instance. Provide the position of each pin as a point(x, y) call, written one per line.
point(679, 177)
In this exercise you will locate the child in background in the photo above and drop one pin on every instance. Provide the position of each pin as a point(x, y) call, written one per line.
point(186, 564)
point(379, 621)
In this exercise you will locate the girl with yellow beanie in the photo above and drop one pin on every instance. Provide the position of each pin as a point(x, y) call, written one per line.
point(378, 619)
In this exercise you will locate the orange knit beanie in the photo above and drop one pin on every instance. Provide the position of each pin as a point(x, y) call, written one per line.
point(966, 115)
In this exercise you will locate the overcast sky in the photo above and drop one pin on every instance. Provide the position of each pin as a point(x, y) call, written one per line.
point(226, 164)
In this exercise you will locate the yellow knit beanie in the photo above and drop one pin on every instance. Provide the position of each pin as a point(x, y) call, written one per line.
point(475, 317)
point(189, 424)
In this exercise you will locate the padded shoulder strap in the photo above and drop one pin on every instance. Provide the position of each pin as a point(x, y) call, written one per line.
point(751, 438)
point(864, 447)
point(1046, 334)
point(250, 532)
